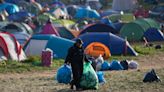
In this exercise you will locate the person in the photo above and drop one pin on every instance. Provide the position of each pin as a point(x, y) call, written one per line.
point(75, 57)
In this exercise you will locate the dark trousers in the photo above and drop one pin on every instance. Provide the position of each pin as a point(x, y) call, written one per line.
point(77, 74)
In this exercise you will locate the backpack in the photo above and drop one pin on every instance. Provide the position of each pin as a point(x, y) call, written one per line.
point(151, 76)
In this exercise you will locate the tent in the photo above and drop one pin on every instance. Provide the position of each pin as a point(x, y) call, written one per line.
point(64, 32)
point(10, 8)
point(99, 28)
point(86, 13)
point(116, 45)
point(96, 48)
point(44, 17)
point(124, 5)
point(28, 28)
point(3, 23)
point(152, 1)
point(17, 27)
point(153, 34)
point(21, 37)
point(107, 21)
point(127, 17)
point(32, 7)
point(134, 31)
point(58, 45)
point(94, 4)
point(49, 29)
point(57, 4)
point(118, 26)
point(19, 16)
point(72, 9)
point(10, 48)
point(12, 1)
point(108, 13)
point(63, 22)
point(59, 13)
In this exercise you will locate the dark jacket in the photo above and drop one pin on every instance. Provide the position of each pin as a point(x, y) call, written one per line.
point(75, 56)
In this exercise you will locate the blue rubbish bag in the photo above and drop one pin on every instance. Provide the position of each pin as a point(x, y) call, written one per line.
point(64, 74)
point(101, 78)
point(105, 66)
point(115, 65)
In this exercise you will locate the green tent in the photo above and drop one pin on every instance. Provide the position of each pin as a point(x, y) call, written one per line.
point(134, 31)
point(63, 22)
point(127, 17)
point(44, 17)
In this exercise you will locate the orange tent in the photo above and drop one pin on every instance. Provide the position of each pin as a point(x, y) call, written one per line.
point(96, 48)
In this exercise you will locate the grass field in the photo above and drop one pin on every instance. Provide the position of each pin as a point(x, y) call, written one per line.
point(30, 76)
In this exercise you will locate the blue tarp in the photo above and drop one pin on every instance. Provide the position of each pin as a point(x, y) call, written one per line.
point(115, 44)
point(86, 13)
point(10, 8)
point(64, 74)
point(153, 34)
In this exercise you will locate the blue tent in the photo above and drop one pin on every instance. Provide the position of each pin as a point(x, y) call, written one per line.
point(19, 16)
point(58, 45)
point(107, 21)
point(118, 26)
point(12, 1)
point(153, 34)
point(117, 45)
point(72, 9)
point(86, 13)
point(99, 28)
point(57, 4)
point(10, 8)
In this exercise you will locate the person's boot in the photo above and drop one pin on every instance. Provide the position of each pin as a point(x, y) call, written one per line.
point(71, 86)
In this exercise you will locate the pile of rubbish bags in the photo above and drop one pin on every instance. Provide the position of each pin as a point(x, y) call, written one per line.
point(102, 65)
point(93, 74)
